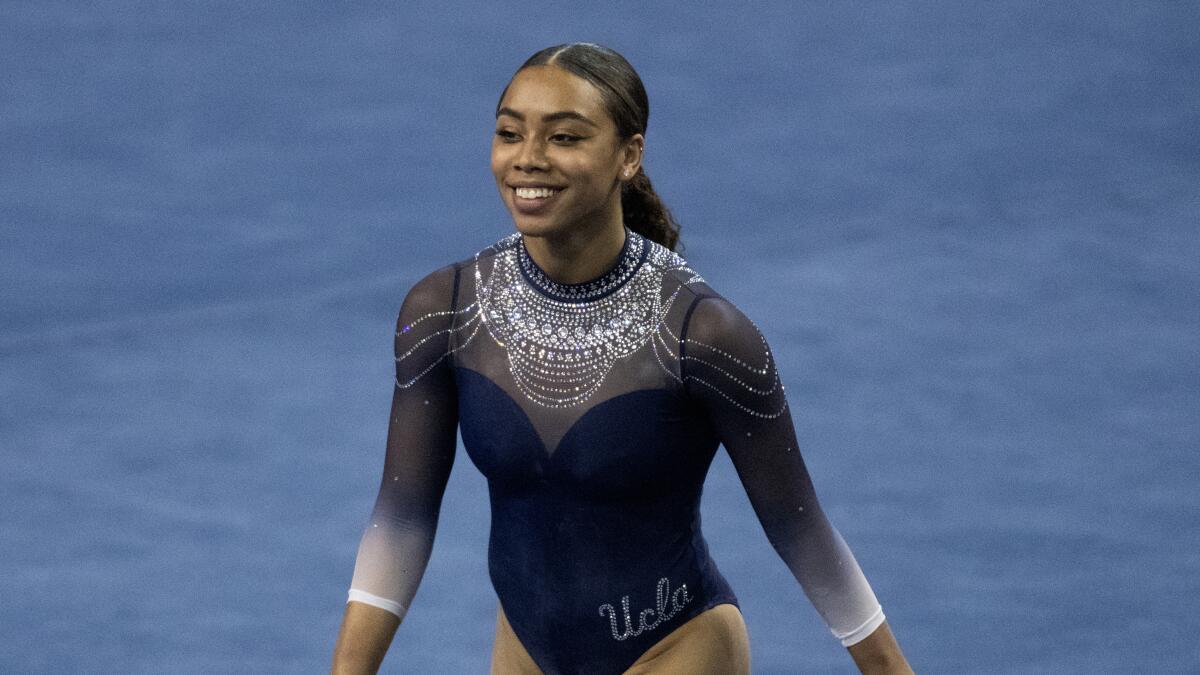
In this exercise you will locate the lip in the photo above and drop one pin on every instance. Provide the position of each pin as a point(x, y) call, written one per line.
point(522, 184)
point(533, 207)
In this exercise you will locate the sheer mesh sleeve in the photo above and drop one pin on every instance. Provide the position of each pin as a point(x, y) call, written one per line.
point(729, 369)
point(420, 450)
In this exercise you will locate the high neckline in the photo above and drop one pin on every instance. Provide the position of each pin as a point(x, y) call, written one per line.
point(633, 253)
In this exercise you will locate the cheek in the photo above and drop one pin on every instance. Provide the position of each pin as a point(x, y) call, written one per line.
point(497, 164)
point(591, 172)
point(502, 156)
point(498, 175)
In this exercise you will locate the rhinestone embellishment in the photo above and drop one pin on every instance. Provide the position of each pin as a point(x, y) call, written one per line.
point(562, 340)
point(628, 260)
point(648, 619)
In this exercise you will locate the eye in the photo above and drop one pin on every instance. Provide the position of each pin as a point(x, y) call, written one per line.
point(565, 139)
point(506, 136)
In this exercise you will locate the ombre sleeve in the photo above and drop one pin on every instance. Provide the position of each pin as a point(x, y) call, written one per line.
point(727, 365)
point(421, 441)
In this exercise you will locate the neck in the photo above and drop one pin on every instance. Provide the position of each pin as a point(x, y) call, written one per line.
point(579, 254)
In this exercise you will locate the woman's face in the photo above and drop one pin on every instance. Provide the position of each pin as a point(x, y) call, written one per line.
point(556, 155)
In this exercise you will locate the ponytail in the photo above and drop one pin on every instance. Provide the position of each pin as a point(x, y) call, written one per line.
point(645, 213)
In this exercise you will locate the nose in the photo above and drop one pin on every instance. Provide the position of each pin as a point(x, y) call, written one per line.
point(531, 156)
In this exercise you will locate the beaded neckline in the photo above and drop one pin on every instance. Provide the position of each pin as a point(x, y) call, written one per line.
point(633, 253)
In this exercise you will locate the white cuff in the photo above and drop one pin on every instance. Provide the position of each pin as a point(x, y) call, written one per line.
point(860, 633)
point(376, 601)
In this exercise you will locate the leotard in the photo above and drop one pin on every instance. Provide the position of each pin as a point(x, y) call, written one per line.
point(594, 411)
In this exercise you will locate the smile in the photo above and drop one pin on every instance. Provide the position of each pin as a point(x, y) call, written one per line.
point(535, 192)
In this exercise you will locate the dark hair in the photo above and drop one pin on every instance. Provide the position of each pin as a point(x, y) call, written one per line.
point(625, 99)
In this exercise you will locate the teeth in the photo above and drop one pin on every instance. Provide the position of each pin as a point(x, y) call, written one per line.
point(535, 193)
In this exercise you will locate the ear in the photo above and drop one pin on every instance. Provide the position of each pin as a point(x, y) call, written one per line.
point(631, 156)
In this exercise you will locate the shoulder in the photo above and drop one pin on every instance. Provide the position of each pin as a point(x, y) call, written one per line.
point(710, 316)
point(424, 323)
point(718, 337)
point(432, 292)
point(679, 278)
point(715, 321)
point(726, 358)
point(715, 332)
point(439, 287)
point(709, 312)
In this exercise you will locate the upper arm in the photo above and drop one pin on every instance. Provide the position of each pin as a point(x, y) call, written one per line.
point(730, 370)
point(422, 426)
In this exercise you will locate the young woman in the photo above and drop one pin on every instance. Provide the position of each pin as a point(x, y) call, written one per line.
point(593, 373)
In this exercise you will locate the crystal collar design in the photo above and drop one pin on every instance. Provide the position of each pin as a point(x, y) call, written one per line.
point(562, 339)
point(632, 255)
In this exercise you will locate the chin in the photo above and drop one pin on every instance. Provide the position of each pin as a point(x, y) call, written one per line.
point(535, 229)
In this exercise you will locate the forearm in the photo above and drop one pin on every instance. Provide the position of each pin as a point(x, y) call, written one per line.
point(363, 640)
point(879, 654)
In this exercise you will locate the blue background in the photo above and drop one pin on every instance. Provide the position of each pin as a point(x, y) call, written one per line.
point(968, 230)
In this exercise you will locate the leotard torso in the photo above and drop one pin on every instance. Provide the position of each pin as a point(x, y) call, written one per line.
point(594, 411)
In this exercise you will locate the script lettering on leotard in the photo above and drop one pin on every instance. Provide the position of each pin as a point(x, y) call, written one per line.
point(648, 619)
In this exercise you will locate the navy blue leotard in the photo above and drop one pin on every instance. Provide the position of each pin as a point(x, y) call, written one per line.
point(594, 411)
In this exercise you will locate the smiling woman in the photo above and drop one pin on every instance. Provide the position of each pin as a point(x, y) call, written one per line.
point(550, 119)
point(593, 374)
point(582, 110)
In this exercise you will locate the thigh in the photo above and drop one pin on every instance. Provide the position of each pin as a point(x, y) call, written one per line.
point(714, 642)
point(509, 656)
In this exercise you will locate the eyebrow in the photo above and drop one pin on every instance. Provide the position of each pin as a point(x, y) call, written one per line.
point(549, 117)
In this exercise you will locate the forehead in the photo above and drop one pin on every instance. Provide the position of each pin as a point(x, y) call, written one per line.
point(539, 90)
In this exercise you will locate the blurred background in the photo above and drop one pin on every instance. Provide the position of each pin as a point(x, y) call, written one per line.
point(968, 230)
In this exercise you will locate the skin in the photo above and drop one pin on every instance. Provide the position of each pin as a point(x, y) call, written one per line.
point(363, 640)
point(553, 129)
point(579, 233)
point(879, 653)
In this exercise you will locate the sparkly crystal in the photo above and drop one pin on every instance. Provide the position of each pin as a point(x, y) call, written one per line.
point(660, 613)
point(561, 340)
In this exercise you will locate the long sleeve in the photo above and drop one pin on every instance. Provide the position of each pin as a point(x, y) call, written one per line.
point(728, 367)
point(395, 547)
